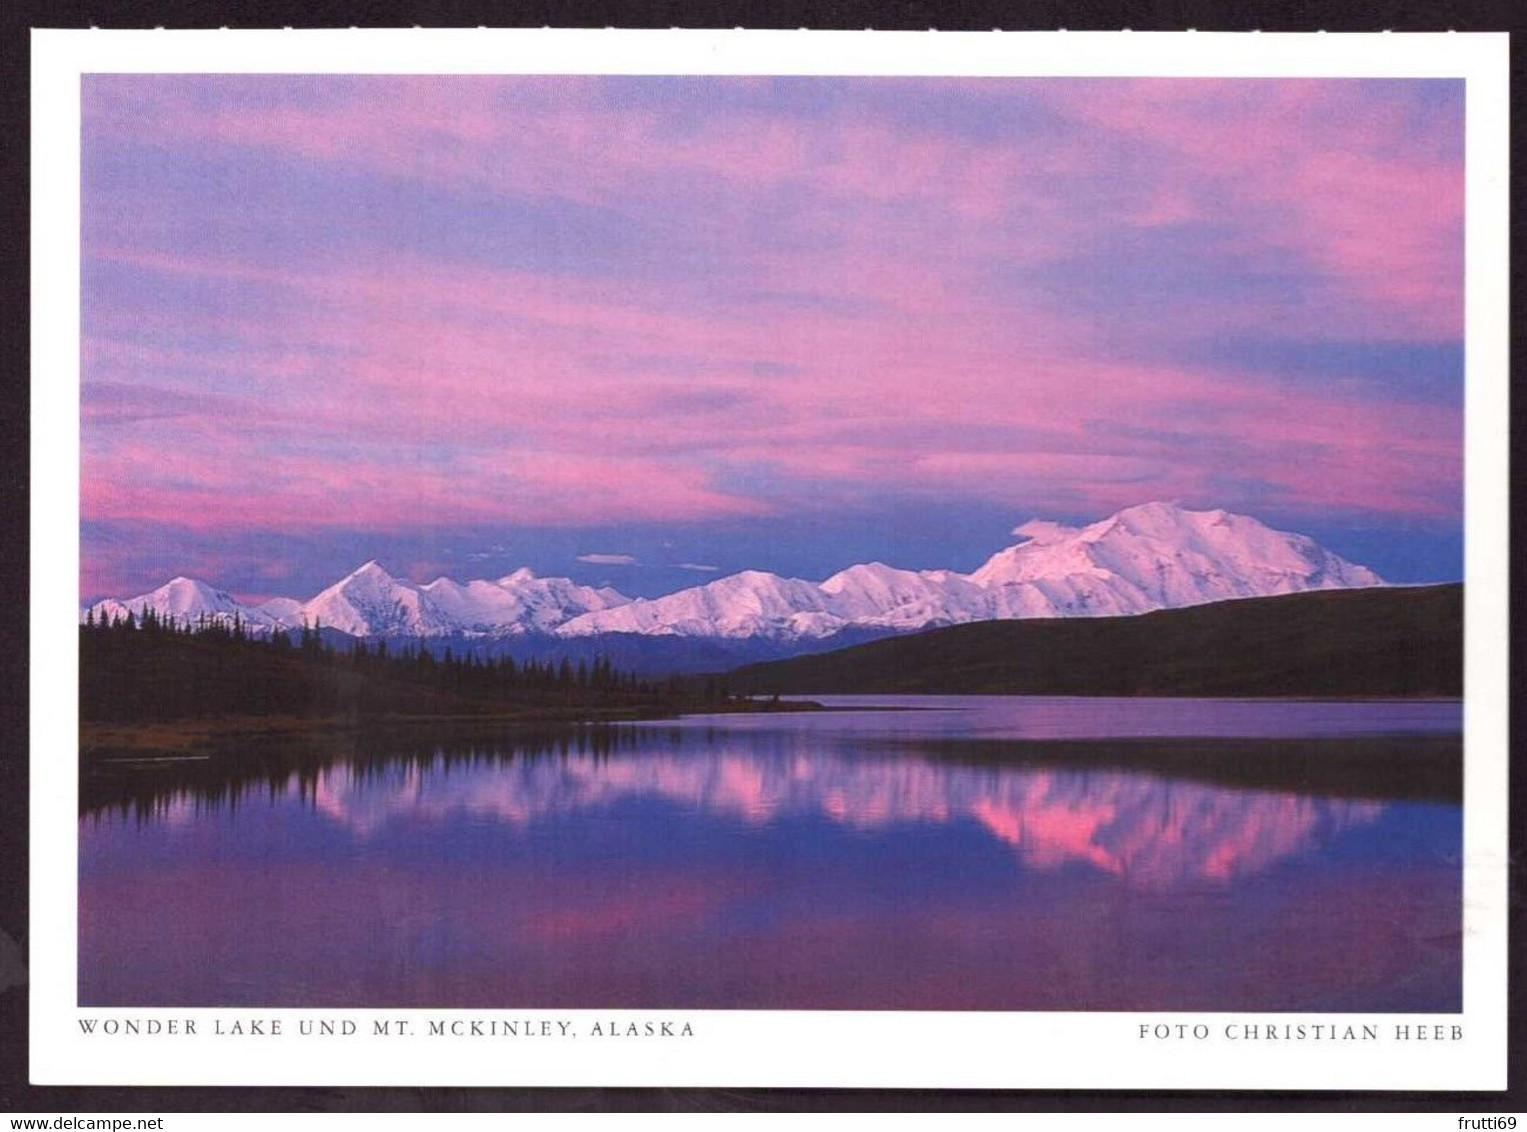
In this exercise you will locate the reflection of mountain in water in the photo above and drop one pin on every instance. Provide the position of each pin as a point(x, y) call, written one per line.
point(1151, 831)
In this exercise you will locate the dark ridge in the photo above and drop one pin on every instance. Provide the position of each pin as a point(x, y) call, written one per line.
point(148, 672)
point(1372, 643)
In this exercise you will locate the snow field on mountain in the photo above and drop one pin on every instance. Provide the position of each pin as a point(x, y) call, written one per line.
point(1153, 556)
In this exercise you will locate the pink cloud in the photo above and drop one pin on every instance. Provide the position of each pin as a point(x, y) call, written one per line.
point(535, 428)
point(1324, 168)
point(918, 349)
point(1363, 194)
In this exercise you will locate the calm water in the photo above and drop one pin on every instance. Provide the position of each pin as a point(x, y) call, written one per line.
point(984, 853)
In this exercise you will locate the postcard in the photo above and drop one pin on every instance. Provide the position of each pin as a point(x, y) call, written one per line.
point(769, 559)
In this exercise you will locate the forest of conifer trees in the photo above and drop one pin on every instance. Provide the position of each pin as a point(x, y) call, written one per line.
point(148, 668)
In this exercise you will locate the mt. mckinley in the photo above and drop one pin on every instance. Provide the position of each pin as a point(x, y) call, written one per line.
point(1153, 556)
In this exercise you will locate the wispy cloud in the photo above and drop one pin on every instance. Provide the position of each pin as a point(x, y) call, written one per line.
point(518, 302)
point(608, 559)
point(698, 566)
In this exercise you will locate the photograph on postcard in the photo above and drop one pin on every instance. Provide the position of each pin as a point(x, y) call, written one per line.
point(771, 543)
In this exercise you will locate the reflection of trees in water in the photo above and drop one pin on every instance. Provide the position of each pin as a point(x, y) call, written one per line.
point(1128, 809)
point(1397, 767)
point(1411, 767)
point(267, 770)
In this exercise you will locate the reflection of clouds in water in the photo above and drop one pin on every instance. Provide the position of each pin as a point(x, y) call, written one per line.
point(1150, 831)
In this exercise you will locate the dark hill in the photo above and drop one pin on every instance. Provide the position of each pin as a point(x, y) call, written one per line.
point(1401, 641)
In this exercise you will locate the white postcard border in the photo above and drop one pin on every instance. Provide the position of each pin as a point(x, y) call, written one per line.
point(763, 1048)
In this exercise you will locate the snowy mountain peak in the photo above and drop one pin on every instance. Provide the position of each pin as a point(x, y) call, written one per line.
point(1044, 531)
point(1155, 555)
point(1160, 556)
point(371, 602)
point(1149, 519)
point(282, 611)
point(863, 573)
point(191, 589)
point(182, 600)
point(371, 568)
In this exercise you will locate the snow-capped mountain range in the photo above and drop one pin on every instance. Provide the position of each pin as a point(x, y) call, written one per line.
point(1153, 556)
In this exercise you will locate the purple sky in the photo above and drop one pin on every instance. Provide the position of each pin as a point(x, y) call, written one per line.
point(466, 324)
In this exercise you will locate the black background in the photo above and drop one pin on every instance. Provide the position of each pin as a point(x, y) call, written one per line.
point(17, 1095)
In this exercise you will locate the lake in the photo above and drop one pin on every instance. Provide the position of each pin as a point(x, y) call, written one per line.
point(940, 853)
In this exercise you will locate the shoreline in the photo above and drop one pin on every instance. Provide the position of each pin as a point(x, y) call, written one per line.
point(102, 741)
point(168, 741)
point(1424, 767)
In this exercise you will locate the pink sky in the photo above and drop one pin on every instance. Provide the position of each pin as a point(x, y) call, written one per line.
point(436, 308)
